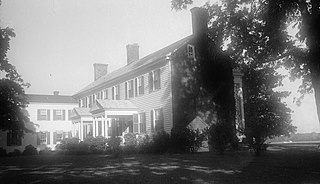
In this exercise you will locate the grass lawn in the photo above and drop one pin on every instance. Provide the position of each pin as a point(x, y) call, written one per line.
point(280, 164)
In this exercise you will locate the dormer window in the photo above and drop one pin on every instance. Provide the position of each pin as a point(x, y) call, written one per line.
point(190, 51)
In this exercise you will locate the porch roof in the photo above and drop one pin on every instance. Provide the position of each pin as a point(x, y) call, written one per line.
point(119, 105)
point(80, 111)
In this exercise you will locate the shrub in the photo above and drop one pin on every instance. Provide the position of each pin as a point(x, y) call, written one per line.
point(72, 146)
point(96, 144)
point(45, 151)
point(219, 137)
point(130, 144)
point(114, 146)
point(186, 140)
point(3, 152)
point(160, 142)
point(30, 150)
point(15, 152)
point(144, 143)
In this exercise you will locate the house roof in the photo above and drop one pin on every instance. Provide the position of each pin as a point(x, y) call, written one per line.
point(50, 98)
point(143, 62)
point(113, 105)
point(197, 123)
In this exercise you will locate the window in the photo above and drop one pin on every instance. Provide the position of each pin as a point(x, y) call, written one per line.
point(105, 94)
point(43, 137)
point(94, 96)
point(142, 122)
point(154, 80)
point(90, 101)
point(139, 86)
point(84, 102)
point(190, 51)
point(59, 114)
point(116, 92)
point(98, 95)
point(157, 120)
point(43, 114)
point(57, 137)
point(129, 89)
point(13, 138)
point(69, 114)
point(139, 123)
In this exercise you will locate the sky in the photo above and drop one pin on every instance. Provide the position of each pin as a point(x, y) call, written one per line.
point(58, 41)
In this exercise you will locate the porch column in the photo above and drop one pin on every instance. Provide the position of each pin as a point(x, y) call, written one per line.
point(107, 126)
point(97, 126)
point(94, 127)
point(103, 126)
point(81, 130)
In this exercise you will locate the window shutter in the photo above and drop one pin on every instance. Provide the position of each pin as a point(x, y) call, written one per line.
point(161, 119)
point(48, 137)
point(38, 114)
point(159, 79)
point(135, 123)
point(136, 86)
point(54, 114)
point(63, 114)
point(152, 124)
point(126, 90)
point(141, 90)
point(150, 82)
point(48, 114)
point(112, 93)
point(54, 137)
point(118, 90)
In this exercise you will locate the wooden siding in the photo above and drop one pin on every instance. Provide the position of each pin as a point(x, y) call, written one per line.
point(161, 98)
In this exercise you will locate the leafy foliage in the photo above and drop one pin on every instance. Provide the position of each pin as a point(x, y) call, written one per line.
point(266, 116)
point(186, 140)
point(255, 32)
point(30, 150)
point(12, 95)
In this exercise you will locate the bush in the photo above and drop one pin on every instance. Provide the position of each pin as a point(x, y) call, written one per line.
point(30, 150)
point(144, 143)
point(130, 144)
point(72, 146)
point(3, 152)
point(15, 152)
point(219, 137)
point(186, 140)
point(160, 142)
point(96, 144)
point(114, 146)
point(45, 151)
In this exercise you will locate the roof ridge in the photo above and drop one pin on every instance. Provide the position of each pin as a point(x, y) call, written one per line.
point(134, 65)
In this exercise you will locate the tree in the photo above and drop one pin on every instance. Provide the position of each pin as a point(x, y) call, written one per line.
point(266, 116)
point(243, 29)
point(257, 33)
point(12, 95)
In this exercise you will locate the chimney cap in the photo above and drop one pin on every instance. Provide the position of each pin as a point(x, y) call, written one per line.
point(55, 93)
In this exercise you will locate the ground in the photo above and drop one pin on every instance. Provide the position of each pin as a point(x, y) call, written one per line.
point(282, 163)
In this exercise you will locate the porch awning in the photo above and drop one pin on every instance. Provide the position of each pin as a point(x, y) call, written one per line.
point(114, 107)
point(80, 112)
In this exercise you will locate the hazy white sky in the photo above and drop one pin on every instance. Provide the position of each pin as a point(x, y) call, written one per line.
point(58, 41)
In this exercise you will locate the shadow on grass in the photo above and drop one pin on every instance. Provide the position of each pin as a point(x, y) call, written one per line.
point(285, 165)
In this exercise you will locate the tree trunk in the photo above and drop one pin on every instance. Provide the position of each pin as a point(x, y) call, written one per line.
point(315, 78)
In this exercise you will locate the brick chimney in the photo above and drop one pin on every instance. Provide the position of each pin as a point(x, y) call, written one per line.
point(56, 93)
point(199, 21)
point(132, 53)
point(100, 70)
